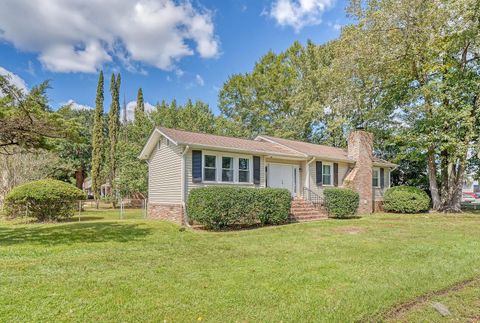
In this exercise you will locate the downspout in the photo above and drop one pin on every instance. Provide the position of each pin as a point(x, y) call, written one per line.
point(183, 186)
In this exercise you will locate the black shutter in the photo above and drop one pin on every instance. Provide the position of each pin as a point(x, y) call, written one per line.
point(319, 173)
point(196, 166)
point(256, 170)
point(335, 174)
point(382, 178)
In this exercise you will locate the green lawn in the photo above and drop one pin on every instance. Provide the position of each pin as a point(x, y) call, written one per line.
point(107, 269)
point(463, 305)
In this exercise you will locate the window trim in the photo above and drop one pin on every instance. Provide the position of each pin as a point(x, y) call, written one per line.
point(249, 170)
point(218, 172)
point(222, 169)
point(323, 173)
point(203, 167)
point(376, 170)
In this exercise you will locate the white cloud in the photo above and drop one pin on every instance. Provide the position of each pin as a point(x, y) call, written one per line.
point(299, 13)
point(131, 110)
point(76, 106)
point(14, 79)
point(199, 80)
point(335, 25)
point(74, 36)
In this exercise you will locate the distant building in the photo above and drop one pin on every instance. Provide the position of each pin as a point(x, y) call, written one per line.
point(470, 185)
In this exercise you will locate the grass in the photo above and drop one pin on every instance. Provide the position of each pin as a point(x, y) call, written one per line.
point(463, 304)
point(108, 269)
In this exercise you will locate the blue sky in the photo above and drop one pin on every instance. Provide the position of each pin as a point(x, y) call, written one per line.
point(169, 48)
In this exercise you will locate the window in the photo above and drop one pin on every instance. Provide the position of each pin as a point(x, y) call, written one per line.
point(227, 169)
point(376, 177)
point(210, 168)
point(327, 174)
point(243, 170)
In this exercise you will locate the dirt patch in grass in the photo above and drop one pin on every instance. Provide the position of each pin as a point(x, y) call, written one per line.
point(399, 311)
point(351, 230)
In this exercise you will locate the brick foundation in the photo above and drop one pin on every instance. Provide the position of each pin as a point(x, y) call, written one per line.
point(167, 212)
point(378, 206)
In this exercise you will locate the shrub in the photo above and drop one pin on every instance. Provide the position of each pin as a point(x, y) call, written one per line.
point(406, 199)
point(45, 200)
point(218, 207)
point(341, 202)
point(275, 205)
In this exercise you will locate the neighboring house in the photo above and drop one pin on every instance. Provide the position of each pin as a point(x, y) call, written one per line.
point(87, 188)
point(179, 161)
point(470, 185)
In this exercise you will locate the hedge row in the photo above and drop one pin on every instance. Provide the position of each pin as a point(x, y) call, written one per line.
point(341, 202)
point(218, 207)
point(406, 199)
point(46, 200)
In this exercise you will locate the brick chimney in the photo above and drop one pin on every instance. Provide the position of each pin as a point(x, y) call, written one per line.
point(360, 149)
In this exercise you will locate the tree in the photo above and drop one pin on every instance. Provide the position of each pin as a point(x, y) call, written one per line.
point(97, 139)
point(19, 168)
point(113, 125)
point(74, 160)
point(26, 120)
point(140, 107)
point(418, 62)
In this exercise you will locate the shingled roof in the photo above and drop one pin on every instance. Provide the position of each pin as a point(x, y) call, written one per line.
point(309, 149)
point(264, 145)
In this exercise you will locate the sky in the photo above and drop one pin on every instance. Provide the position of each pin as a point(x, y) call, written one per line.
point(171, 49)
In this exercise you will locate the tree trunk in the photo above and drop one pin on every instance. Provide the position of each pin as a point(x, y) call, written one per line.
point(432, 179)
point(451, 198)
point(79, 177)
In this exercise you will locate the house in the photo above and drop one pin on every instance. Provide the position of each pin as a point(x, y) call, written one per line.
point(179, 161)
point(470, 185)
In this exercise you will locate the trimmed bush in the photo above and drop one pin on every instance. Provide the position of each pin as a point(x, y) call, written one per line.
point(406, 199)
point(46, 200)
point(219, 207)
point(341, 202)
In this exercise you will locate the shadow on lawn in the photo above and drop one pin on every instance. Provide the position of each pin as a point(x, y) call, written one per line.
point(73, 233)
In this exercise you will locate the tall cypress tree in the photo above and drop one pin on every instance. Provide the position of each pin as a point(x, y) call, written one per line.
point(140, 107)
point(97, 139)
point(114, 123)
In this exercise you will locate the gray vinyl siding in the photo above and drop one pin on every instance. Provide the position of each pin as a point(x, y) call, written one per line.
point(378, 191)
point(342, 172)
point(188, 170)
point(164, 173)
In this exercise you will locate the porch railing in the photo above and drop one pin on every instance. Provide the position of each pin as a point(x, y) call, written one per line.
point(313, 197)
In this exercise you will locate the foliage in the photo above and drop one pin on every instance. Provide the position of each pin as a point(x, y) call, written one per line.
point(21, 167)
point(97, 139)
point(406, 199)
point(418, 63)
point(113, 125)
point(219, 207)
point(74, 156)
point(265, 101)
point(46, 200)
point(192, 116)
point(341, 202)
point(275, 205)
point(140, 107)
point(26, 120)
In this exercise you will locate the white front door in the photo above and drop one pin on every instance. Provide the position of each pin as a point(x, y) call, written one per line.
point(284, 176)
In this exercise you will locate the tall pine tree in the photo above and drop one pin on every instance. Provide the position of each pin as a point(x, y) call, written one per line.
point(114, 124)
point(97, 139)
point(140, 107)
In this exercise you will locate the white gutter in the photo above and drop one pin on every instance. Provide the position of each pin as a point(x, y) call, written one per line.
point(183, 186)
